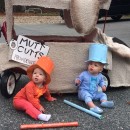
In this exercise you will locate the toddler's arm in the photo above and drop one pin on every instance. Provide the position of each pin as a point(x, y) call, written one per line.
point(42, 109)
point(77, 82)
point(104, 88)
point(48, 96)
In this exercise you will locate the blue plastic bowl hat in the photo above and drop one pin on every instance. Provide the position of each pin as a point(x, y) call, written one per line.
point(98, 53)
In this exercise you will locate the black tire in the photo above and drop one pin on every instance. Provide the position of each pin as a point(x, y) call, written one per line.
point(106, 79)
point(0, 81)
point(116, 18)
point(8, 84)
point(17, 76)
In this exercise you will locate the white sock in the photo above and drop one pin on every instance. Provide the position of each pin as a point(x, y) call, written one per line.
point(44, 117)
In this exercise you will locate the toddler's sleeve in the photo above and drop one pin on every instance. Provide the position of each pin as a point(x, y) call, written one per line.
point(102, 83)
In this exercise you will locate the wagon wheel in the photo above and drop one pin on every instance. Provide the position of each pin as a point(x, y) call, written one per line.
point(8, 84)
point(17, 76)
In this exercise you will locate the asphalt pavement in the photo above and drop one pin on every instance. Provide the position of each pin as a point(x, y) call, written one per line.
point(113, 119)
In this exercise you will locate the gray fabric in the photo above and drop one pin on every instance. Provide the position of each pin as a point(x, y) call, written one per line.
point(68, 57)
point(84, 15)
point(120, 74)
point(69, 60)
point(121, 49)
point(5, 63)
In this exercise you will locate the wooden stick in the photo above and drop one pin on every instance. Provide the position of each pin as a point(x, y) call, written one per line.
point(52, 125)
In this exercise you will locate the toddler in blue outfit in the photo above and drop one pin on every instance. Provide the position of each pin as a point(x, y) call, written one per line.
point(89, 81)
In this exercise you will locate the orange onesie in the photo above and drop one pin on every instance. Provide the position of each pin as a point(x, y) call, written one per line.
point(27, 99)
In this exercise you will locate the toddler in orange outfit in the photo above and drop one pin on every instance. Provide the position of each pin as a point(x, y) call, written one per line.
point(27, 99)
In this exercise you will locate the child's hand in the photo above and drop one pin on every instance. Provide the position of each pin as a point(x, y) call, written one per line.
point(77, 82)
point(52, 99)
point(42, 110)
point(104, 88)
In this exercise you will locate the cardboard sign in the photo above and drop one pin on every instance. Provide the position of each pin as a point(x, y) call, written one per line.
point(27, 51)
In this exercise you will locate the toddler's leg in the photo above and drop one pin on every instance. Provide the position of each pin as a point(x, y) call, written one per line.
point(94, 108)
point(24, 105)
point(103, 98)
point(108, 104)
point(87, 97)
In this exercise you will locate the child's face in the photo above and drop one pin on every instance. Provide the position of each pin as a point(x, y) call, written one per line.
point(38, 76)
point(95, 67)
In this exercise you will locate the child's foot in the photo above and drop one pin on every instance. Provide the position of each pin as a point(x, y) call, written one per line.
point(108, 104)
point(96, 110)
point(44, 117)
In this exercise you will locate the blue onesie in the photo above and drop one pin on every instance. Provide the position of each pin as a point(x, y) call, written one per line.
point(88, 88)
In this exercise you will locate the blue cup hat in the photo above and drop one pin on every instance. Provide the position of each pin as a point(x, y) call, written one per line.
point(98, 53)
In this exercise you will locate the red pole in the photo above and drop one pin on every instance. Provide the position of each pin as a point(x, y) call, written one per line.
point(52, 125)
